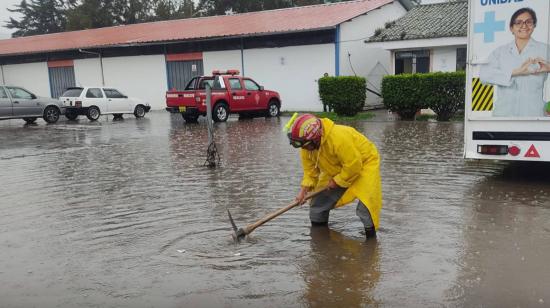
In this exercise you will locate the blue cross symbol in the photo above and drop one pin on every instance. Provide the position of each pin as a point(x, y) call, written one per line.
point(489, 26)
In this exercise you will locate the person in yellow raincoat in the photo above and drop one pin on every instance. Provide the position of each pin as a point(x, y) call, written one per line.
point(344, 160)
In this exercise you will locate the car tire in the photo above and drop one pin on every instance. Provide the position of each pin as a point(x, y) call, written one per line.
point(71, 115)
point(220, 113)
point(190, 119)
point(51, 114)
point(273, 109)
point(29, 120)
point(139, 111)
point(93, 113)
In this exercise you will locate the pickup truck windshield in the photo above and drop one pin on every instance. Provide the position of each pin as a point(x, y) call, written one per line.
point(191, 84)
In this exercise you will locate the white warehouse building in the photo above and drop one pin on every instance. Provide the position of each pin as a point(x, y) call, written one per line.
point(285, 50)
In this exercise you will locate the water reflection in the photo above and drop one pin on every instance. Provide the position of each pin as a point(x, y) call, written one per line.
point(121, 213)
point(506, 237)
point(341, 271)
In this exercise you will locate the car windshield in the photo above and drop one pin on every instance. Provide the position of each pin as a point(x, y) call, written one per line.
point(72, 92)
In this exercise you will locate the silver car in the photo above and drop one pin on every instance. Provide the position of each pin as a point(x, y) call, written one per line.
point(19, 103)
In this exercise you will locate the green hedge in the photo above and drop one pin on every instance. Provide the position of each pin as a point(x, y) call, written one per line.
point(345, 95)
point(408, 93)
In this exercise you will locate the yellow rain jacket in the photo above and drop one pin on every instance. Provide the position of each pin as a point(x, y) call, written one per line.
point(351, 160)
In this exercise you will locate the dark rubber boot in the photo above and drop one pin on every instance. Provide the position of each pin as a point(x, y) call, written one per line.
point(370, 233)
point(319, 224)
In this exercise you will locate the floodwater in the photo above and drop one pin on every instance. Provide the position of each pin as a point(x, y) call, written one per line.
point(124, 214)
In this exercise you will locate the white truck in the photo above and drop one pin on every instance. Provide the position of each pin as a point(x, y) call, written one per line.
point(507, 89)
point(95, 101)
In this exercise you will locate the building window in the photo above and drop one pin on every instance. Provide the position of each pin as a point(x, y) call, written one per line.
point(414, 61)
point(461, 59)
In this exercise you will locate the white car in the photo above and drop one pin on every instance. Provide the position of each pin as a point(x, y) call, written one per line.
point(95, 101)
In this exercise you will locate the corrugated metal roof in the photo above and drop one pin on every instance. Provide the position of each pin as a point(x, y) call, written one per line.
point(427, 21)
point(255, 23)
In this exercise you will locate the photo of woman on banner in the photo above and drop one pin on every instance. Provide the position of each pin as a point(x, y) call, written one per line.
point(519, 70)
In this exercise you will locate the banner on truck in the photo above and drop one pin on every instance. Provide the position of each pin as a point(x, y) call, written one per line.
point(510, 59)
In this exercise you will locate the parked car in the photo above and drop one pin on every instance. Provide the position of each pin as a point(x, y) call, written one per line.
point(95, 101)
point(19, 103)
point(230, 94)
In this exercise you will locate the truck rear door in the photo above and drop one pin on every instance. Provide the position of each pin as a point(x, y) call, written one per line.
point(6, 108)
point(507, 81)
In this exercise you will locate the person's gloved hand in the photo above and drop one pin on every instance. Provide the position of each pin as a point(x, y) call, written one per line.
point(332, 185)
point(301, 197)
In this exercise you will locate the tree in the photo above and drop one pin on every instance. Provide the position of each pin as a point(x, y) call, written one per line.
point(39, 17)
point(90, 14)
point(170, 9)
point(222, 7)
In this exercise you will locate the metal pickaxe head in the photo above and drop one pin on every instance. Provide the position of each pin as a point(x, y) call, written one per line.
point(238, 233)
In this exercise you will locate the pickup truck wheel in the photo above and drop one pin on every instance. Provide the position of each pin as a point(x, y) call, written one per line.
point(190, 119)
point(273, 109)
point(93, 113)
point(30, 120)
point(139, 111)
point(220, 113)
point(71, 115)
point(51, 114)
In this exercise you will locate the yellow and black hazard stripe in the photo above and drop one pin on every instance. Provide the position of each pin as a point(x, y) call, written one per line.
point(482, 96)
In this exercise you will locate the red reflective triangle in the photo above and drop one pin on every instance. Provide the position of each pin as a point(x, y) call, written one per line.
point(532, 152)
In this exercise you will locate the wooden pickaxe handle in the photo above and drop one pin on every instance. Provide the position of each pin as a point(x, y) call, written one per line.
point(248, 229)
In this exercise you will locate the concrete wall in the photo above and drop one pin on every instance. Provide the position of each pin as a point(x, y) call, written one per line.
point(358, 58)
point(87, 72)
point(444, 59)
point(292, 71)
point(143, 77)
point(31, 76)
point(221, 60)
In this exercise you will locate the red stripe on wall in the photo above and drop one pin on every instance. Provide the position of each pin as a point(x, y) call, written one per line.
point(184, 56)
point(60, 63)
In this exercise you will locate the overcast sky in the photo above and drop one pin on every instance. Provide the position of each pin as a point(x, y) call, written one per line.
point(5, 15)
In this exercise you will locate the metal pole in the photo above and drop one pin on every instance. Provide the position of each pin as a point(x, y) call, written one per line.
point(242, 56)
point(101, 66)
point(3, 80)
point(209, 113)
point(212, 156)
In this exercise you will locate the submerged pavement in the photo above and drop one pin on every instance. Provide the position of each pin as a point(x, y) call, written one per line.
point(124, 214)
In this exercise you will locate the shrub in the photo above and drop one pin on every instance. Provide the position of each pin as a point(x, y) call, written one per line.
point(447, 94)
point(408, 93)
point(402, 94)
point(345, 95)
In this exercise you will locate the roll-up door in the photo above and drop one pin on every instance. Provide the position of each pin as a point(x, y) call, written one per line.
point(183, 67)
point(61, 76)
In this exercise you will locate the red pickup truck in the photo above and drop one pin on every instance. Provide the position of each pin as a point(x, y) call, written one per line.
point(230, 94)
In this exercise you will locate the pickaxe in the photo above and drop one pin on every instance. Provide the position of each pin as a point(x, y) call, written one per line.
point(239, 233)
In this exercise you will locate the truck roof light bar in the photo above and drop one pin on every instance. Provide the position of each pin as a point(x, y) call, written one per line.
point(227, 72)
